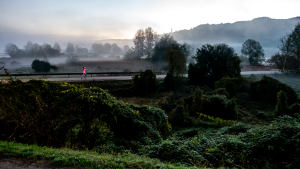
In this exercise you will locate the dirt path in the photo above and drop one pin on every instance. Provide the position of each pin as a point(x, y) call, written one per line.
point(28, 164)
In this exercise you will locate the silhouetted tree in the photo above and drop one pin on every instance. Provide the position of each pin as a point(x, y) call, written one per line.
point(131, 54)
point(107, 48)
point(81, 51)
point(149, 41)
point(254, 51)
point(11, 50)
point(212, 63)
point(138, 41)
point(98, 48)
point(176, 59)
point(116, 49)
point(161, 47)
point(56, 46)
point(70, 48)
point(28, 46)
point(126, 48)
point(290, 49)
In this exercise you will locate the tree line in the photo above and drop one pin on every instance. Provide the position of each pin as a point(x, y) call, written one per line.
point(46, 50)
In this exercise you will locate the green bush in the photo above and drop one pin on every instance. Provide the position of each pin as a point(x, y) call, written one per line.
point(178, 116)
point(232, 85)
point(267, 88)
point(42, 66)
point(272, 146)
point(56, 114)
point(170, 82)
point(212, 105)
point(282, 107)
point(145, 84)
point(219, 91)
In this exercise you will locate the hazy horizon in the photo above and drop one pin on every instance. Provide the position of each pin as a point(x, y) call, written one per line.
point(87, 22)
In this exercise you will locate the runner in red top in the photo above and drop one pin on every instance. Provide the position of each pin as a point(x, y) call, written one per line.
point(84, 72)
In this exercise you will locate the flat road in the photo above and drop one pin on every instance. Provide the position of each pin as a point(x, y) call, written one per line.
point(103, 78)
point(130, 77)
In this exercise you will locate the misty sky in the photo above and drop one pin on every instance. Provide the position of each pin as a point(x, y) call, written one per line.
point(119, 19)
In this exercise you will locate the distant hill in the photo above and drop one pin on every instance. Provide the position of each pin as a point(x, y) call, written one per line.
point(265, 30)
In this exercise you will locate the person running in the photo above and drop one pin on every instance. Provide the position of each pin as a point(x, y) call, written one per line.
point(84, 72)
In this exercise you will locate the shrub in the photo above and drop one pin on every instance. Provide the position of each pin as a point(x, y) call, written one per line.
point(178, 116)
point(232, 85)
point(40, 66)
point(267, 88)
point(56, 114)
point(170, 81)
point(212, 105)
point(282, 107)
point(272, 146)
point(220, 91)
point(145, 83)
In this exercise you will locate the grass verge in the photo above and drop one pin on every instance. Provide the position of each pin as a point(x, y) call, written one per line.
point(78, 158)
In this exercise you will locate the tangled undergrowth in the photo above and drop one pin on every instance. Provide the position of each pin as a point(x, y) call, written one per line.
point(208, 126)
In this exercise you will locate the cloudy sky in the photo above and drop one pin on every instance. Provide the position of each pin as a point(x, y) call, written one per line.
point(119, 19)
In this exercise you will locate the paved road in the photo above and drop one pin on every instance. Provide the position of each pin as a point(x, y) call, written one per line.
point(130, 77)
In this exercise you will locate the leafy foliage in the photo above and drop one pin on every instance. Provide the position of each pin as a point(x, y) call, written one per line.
point(57, 114)
point(213, 62)
point(145, 83)
point(40, 66)
point(212, 105)
point(232, 85)
point(176, 60)
point(272, 146)
point(267, 88)
point(282, 107)
point(254, 50)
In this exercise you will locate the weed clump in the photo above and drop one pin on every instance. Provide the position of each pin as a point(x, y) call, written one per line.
point(282, 107)
point(212, 105)
point(267, 88)
point(145, 84)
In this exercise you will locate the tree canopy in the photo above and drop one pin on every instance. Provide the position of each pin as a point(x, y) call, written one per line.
point(212, 63)
point(254, 51)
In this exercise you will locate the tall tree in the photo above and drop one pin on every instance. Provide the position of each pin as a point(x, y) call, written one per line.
point(254, 51)
point(161, 47)
point(126, 48)
point(56, 46)
point(28, 46)
point(11, 50)
point(98, 48)
point(116, 49)
point(176, 59)
point(138, 41)
point(150, 36)
point(212, 63)
point(107, 48)
point(70, 48)
point(290, 48)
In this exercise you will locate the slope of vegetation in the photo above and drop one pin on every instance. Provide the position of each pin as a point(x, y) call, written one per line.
point(190, 126)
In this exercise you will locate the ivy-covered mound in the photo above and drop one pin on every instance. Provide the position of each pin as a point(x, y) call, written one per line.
point(60, 114)
point(267, 88)
point(274, 146)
